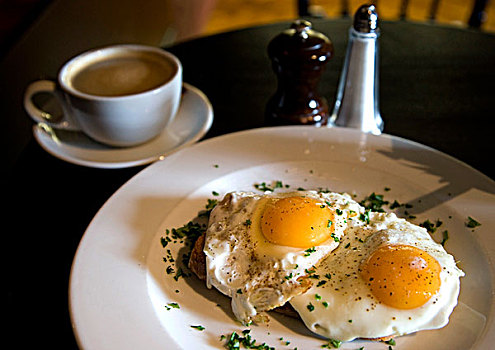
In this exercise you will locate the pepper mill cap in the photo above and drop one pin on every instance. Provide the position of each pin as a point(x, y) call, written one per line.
point(300, 42)
point(366, 19)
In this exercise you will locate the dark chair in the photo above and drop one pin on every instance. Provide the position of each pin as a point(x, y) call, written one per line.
point(475, 20)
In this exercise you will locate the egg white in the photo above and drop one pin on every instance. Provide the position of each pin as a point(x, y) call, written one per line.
point(342, 307)
point(259, 275)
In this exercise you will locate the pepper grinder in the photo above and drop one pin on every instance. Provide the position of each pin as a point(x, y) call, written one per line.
point(356, 104)
point(299, 55)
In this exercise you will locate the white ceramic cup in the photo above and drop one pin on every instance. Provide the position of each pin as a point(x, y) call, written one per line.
point(126, 118)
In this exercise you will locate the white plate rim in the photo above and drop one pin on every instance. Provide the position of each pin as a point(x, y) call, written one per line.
point(205, 122)
point(115, 202)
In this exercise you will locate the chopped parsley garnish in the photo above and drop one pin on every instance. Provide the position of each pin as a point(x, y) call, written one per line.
point(199, 328)
point(309, 251)
point(215, 193)
point(324, 303)
point(235, 341)
point(365, 216)
point(211, 204)
point(445, 237)
point(332, 344)
point(317, 297)
point(374, 202)
point(265, 187)
point(172, 306)
point(335, 238)
point(322, 282)
point(310, 307)
point(472, 223)
point(338, 211)
point(329, 223)
point(390, 342)
point(247, 222)
point(327, 275)
point(430, 226)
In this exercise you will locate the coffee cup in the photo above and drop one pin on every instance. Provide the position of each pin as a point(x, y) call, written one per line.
point(120, 95)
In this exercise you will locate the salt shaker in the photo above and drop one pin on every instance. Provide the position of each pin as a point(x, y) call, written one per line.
point(356, 104)
point(299, 55)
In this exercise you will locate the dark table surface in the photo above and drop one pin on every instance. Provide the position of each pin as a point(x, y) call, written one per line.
point(436, 88)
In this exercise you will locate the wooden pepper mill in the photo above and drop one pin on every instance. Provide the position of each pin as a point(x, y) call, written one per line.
point(298, 56)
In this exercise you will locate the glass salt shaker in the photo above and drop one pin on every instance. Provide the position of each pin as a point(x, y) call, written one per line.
point(356, 104)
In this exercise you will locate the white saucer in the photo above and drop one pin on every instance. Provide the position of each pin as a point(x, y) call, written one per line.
point(192, 121)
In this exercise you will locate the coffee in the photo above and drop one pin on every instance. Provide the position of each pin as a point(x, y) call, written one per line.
point(122, 74)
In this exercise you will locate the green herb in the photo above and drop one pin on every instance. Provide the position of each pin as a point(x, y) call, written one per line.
point(338, 211)
point(239, 291)
point(179, 274)
point(317, 297)
point(247, 222)
point(365, 216)
point(329, 223)
point(310, 307)
point(309, 251)
point(215, 193)
point(430, 226)
point(265, 187)
point(332, 344)
point(327, 275)
point(325, 304)
point(350, 321)
point(335, 238)
point(235, 341)
point(390, 342)
point(211, 204)
point(174, 305)
point(322, 282)
point(199, 328)
point(472, 223)
point(374, 202)
point(191, 231)
point(445, 237)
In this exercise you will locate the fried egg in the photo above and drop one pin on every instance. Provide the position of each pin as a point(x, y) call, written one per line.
point(261, 249)
point(387, 278)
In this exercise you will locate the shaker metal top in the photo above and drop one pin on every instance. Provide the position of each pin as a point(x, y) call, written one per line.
point(366, 19)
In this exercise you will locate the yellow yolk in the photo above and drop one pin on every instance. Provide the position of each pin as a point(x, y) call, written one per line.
point(401, 276)
point(297, 222)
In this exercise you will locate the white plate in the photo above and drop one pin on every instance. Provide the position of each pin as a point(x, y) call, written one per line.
point(119, 287)
point(193, 120)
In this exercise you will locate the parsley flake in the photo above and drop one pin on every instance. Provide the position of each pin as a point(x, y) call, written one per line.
point(472, 223)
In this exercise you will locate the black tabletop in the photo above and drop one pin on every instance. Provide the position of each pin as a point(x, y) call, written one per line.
point(436, 88)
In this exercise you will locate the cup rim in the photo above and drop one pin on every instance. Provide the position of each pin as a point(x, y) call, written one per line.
point(133, 47)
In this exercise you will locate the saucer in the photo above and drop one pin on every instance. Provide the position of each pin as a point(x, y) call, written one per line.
point(193, 120)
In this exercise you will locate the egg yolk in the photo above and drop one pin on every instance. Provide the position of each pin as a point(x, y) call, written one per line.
point(297, 222)
point(401, 276)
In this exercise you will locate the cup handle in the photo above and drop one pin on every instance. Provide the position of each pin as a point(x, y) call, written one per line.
point(41, 116)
